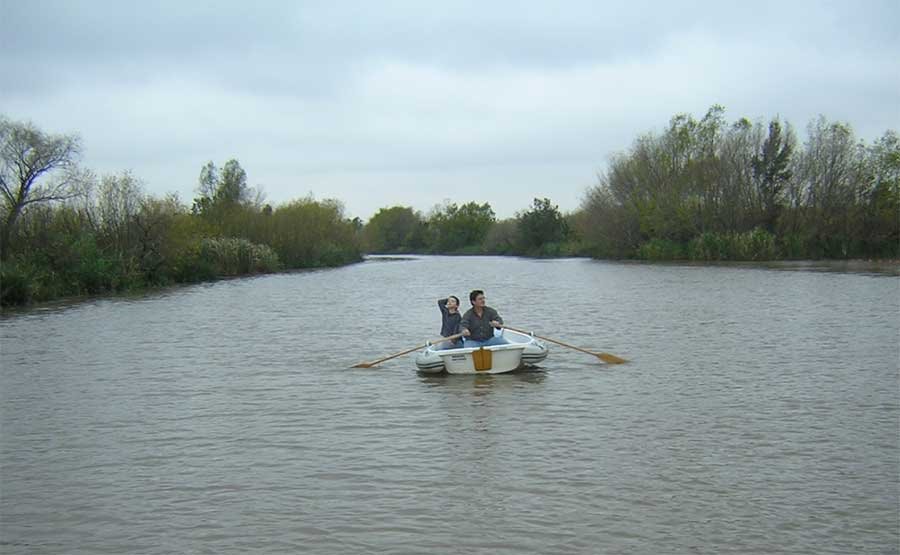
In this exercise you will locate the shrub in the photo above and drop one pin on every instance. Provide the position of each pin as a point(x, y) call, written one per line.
point(661, 249)
point(92, 272)
point(757, 245)
point(231, 257)
point(708, 246)
point(15, 285)
point(334, 254)
point(751, 245)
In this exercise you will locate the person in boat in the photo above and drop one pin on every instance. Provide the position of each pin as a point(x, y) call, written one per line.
point(478, 323)
point(450, 318)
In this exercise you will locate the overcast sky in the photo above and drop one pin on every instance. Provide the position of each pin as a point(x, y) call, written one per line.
point(411, 103)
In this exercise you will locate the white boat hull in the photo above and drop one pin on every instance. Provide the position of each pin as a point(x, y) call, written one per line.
point(522, 350)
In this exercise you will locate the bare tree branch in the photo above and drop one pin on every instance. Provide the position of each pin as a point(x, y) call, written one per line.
point(27, 155)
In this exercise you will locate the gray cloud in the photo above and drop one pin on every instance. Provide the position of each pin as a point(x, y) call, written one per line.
point(426, 102)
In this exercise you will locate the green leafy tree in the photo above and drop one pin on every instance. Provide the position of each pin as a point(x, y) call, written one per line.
point(542, 224)
point(669, 182)
point(395, 229)
point(232, 187)
point(209, 181)
point(830, 183)
point(734, 209)
point(881, 228)
point(220, 190)
point(771, 171)
point(503, 237)
point(309, 233)
point(226, 202)
point(456, 227)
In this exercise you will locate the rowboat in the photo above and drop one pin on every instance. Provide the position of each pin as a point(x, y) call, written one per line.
point(521, 350)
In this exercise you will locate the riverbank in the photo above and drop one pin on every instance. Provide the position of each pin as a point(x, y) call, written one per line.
point(856, 266)
point(17, 296)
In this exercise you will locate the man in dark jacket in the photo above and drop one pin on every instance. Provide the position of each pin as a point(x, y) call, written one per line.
point(478, 323)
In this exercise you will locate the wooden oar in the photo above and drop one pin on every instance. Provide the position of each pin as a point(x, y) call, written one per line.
point(395, 355)
point(605, 357)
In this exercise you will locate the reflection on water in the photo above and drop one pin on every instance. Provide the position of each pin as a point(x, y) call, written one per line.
point(389, 258)
point(758, 414)
point(857, 267)
point(867, 267)
point(480, 384)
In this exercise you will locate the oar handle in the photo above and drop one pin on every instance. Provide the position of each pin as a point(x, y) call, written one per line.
point(416, 348)
point(442, 339)
point(550, 340)
point(605, 357)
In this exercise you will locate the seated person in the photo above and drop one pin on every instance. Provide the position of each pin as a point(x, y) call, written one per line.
point(450, 318)
point(478, 323)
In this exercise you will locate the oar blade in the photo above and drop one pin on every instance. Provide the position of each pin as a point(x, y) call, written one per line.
point(362, 365)
point(610, 359)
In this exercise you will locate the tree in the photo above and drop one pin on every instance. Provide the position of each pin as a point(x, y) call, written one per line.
point(209, 180)
point(502, 238)
point(771, 171)
point(881, 229)
point(457, 227)
point(541, 225)
point(736, 209)
point(28, 157)
point(306, 233)
point(225, 202)
point(119, 200)
point(218, 191)
point(829, 179)
point(671, 182)
point(395, 229)
point(232, 187)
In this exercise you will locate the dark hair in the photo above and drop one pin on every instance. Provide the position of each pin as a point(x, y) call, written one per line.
point(455, 298)
point(474, 294)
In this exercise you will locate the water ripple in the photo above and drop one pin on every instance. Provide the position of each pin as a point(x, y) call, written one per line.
point(758, 414)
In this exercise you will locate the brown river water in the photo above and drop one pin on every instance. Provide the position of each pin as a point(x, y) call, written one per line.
point(759, 413)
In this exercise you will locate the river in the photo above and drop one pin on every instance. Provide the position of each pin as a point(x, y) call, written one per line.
point(759, 412)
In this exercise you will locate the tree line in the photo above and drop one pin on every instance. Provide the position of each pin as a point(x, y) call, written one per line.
point(472, 228)
point(66, 232)
point(708, 190)
point(699, 190)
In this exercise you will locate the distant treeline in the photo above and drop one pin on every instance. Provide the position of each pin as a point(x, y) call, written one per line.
point(472, 228)
point(700, 190)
